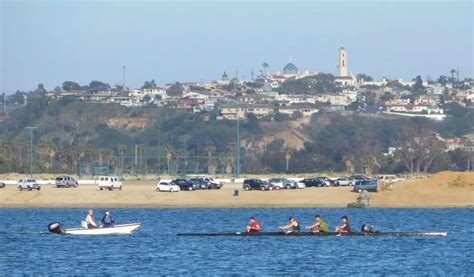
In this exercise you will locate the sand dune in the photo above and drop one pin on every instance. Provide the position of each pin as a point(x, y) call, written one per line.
point(446, 189)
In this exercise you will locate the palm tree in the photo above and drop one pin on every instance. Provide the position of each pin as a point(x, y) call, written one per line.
point(288, 153)
point(169, 156)
point(232, 148)
point(122, 153)
point(452, 71)
point(265, 66)
point(21, 144)
point(210, 149)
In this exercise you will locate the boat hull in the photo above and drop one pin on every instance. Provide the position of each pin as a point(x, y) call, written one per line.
point(117, 229)
point(303, 234)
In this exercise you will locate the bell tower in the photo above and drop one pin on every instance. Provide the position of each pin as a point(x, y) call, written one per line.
point(342, 62)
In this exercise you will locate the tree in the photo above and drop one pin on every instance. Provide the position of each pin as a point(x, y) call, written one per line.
point(443, 80)
point(41, 91)
point(69, 85)
point(147, 98)
point(418, 148)
point(418, 86)
point(149, 84)
point(175, 89)
point(364, 77)
point(252, 126)
point(96, 86)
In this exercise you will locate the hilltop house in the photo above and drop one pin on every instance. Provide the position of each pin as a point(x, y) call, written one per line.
point(241, 110)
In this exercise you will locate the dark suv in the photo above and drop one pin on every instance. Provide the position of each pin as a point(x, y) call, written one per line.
point(184, 184)
point(200, 183)
point(66, 182)
point(256, 184)
point(368, 185)
point(314, 182)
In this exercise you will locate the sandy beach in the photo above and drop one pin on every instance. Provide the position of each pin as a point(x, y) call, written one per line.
point(446, 189)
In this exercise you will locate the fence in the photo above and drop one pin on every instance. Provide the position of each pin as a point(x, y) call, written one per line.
point(159, 165)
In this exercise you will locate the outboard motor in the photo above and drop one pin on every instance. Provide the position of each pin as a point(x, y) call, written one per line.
point(56, 227)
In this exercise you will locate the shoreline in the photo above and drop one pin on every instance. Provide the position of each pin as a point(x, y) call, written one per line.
point(442, 190)
point(79, 206)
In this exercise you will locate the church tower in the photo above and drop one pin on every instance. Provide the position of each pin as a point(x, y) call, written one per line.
point(342, 62)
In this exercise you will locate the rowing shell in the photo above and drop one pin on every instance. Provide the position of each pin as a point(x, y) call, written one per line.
point(321, 234)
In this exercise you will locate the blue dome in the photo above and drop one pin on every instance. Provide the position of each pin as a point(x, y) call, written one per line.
point(290, 68)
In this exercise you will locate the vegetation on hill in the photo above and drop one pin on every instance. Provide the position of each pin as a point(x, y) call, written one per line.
point(71, 134)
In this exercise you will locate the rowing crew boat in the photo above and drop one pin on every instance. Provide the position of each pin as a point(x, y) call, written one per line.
point(58, 228)
point(321, 234)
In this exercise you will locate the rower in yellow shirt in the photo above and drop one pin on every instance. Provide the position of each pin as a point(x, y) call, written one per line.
point(318, 226)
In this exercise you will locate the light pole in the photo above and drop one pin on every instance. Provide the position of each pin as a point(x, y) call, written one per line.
point(31, 149)
point(237, 156)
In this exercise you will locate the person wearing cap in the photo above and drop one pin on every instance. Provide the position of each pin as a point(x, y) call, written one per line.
point(253, 227)
point(107, 220)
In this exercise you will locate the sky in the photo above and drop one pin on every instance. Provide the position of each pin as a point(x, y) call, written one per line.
point(54, 41)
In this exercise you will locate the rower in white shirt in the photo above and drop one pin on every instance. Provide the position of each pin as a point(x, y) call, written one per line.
point(89, 223)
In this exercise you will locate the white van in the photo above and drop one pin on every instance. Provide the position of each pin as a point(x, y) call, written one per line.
point(109, 182)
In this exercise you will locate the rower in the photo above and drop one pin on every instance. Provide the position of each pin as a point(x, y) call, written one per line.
point(318, 226)
point(345, 227)
point(367, 229)
point(253, 226)
point(292, 227)
point(89, 223)
point(107, 220)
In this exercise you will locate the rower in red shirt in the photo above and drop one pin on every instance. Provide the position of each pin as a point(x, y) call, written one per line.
point(253, 226)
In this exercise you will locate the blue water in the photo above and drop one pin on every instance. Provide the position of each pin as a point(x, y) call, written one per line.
point(26, 247)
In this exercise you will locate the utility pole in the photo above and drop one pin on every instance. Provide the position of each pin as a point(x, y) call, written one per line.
point(31, 149)
point(237, 156)
point(123, 78)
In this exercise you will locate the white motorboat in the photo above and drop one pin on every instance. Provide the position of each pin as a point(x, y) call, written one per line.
point(58, 228)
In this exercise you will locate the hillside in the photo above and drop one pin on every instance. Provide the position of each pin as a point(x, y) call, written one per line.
point(175, 141)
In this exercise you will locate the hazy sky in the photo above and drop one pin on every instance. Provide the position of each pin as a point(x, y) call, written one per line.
point(54, 41)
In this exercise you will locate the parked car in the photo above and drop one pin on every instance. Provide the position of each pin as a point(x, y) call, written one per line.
point(167, 186)
point(2, 185)
point(388, 179)
point(66, 182)
point(368, 185)
point(184, 184)
point(315, 182)
point(212, 183)
point(346, 181)
point(329, 181)
point(283, 183)
point(256, 184)
point(109, 182)
point(200, 183)
point(28, 184)
point(360, 177)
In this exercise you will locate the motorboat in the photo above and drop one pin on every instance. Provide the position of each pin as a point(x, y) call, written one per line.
point(58, 228)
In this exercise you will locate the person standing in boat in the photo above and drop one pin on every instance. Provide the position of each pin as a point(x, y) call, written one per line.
point(318, 226)
point(107, 220)
point(292, 227)
point(253, 227)
point(90, 222)
point(345, 227)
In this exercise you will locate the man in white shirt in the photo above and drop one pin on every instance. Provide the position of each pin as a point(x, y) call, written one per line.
point(90, 222)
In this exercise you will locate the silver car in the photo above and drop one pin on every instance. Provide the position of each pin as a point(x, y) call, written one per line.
point(66, 182)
